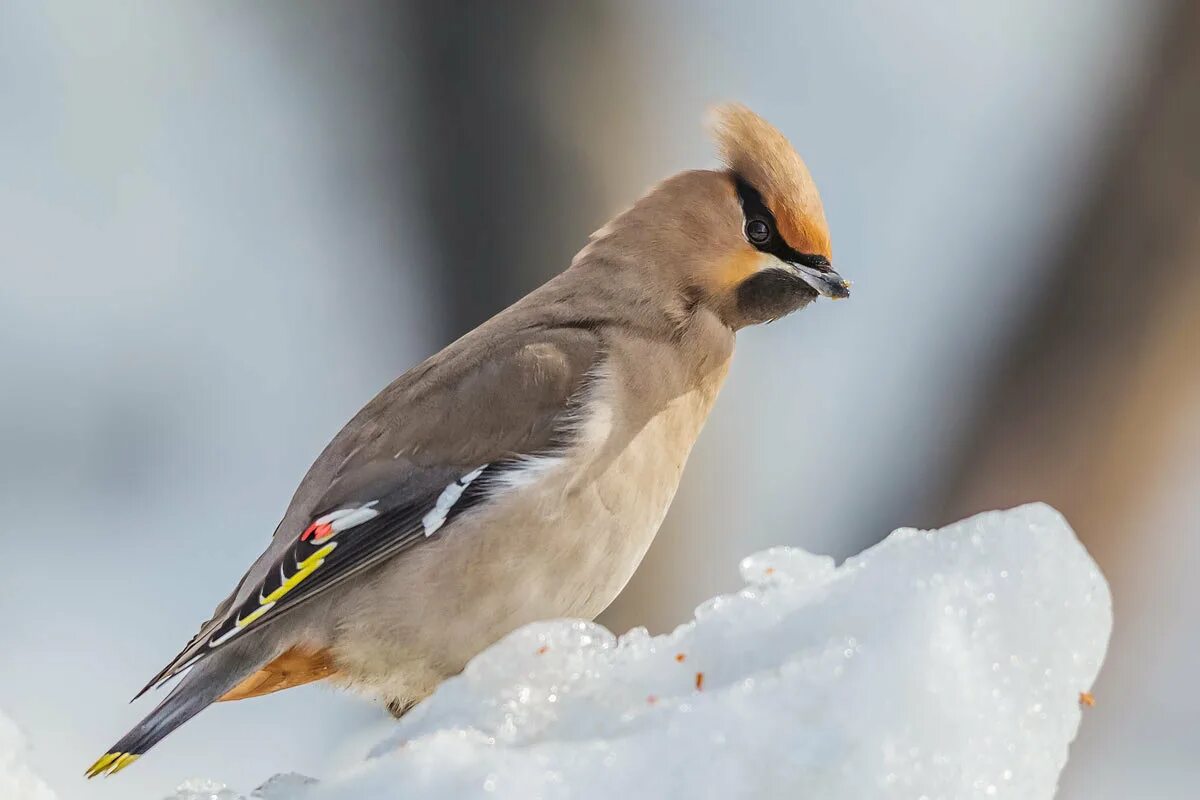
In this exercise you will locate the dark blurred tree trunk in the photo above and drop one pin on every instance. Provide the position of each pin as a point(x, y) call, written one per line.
point(1107, 368)
point(507, 198)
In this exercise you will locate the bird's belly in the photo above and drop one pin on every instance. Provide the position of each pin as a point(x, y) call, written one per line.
point(560, 540)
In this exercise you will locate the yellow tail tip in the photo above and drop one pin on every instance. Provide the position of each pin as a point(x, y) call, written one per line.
point(111, 764)
point(101, 764)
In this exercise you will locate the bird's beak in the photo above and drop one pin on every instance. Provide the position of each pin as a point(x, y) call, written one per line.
point(825, 282)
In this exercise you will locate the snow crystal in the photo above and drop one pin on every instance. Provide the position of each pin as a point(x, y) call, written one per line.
point(946, 664)
point(280, 787)
point(202, 789)
point(17, 781)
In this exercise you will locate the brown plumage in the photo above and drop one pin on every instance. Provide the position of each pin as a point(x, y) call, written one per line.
point(756, 150)
point(522, 472)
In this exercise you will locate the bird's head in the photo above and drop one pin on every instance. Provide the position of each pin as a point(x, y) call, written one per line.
point(748, 241)
point(779, 260)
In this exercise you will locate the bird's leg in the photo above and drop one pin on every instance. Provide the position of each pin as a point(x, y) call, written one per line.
point(399, 706)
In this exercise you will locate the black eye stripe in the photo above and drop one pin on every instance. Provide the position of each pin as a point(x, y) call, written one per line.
point(753, 207)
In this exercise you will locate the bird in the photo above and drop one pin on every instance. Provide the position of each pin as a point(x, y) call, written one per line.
point(522, 472)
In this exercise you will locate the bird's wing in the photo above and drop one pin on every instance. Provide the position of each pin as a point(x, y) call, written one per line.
point(407, 465)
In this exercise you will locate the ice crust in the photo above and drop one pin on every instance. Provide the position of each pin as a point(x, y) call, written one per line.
point(944, 664)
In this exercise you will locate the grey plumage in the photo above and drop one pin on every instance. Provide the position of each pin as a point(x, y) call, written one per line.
point(522, 472)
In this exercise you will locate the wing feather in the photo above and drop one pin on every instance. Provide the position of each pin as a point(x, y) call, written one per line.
point(468, 412)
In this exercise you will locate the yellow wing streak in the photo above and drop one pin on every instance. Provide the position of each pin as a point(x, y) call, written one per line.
point(112, 763)
point(307, 567)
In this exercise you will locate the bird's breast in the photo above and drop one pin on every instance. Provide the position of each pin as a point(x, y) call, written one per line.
point(576, 525)
point(560, 536)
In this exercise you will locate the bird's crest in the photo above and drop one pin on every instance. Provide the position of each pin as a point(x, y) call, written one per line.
point(758, 153)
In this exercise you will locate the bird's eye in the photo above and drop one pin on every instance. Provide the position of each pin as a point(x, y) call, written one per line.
point(758, 230)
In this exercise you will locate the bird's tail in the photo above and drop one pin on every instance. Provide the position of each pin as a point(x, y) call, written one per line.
point(201, 687)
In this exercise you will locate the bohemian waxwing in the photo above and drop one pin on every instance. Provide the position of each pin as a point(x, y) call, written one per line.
point(521, 473)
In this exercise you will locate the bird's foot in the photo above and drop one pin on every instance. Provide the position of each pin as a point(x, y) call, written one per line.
point(398, 707)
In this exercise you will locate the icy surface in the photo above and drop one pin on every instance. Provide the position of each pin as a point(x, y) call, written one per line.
point(17, 781)
point(942, 664)
point(281, 787)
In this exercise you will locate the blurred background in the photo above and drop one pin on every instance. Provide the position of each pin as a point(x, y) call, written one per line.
point(225, 226)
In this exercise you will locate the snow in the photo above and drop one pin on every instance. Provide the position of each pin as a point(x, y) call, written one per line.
point(281, 787)
point(17, 781)
point(943, 664)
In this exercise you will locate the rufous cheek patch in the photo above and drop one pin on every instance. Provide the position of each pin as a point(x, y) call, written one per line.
point(734, 269)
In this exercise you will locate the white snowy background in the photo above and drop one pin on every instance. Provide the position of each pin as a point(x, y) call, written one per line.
point(938, 664)
point(188, 190)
